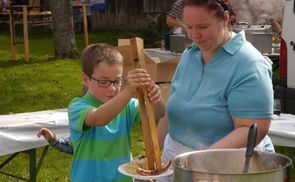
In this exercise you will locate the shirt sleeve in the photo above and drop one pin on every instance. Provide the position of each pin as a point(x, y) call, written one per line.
point(252, 93)
point(77, 112)
point(176, 10)
point(63, 145)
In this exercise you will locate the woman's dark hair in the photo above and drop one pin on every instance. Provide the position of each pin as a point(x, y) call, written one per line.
point(219, 6)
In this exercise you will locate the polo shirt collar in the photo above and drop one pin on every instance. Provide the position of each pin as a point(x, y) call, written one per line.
point(90, 99)
point(232, 46)
point(235, 43)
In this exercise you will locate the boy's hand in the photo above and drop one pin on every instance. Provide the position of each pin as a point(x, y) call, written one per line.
point(137, 78)
point(154, 92)
point(47, 134)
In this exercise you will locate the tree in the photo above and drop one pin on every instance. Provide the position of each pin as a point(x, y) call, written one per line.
point(63, 29)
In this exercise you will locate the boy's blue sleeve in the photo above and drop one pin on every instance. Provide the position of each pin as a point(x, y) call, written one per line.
point(63, 145)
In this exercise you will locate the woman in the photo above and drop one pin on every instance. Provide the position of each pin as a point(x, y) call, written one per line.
point(222, 85)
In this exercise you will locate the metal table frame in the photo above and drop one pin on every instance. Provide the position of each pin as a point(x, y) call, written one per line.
point(34, 169)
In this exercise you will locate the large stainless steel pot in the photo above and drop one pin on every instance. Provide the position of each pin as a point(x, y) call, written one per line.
point(226, 165)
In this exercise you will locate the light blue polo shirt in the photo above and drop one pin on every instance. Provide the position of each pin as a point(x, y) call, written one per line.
point(237, 82)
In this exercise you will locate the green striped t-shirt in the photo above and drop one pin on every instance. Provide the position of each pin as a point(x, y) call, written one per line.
point(100, 150)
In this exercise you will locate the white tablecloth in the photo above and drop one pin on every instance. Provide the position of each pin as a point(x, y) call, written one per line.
point(282, 130)
point(18, 132)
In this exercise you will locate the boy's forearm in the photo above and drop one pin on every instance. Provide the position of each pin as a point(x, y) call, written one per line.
point(63, 145)
point(106, 113)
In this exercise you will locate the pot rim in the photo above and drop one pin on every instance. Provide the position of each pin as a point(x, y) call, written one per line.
point(288, 164)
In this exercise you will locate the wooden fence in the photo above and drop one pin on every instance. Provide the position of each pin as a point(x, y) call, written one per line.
point(130, 13)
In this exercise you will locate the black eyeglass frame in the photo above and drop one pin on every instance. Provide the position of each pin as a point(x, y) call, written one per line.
point(116, 83)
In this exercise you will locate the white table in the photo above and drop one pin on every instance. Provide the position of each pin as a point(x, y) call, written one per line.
point(282, 130)
point(18, 133)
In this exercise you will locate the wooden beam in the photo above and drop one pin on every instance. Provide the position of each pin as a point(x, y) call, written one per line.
point(12, 35)
point(85, 25)
point(25, 32)
point(148, 121)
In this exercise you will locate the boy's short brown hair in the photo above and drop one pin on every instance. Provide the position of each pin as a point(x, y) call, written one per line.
point(95, 54)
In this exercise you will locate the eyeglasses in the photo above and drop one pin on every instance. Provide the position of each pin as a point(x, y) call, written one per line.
point(107, 83)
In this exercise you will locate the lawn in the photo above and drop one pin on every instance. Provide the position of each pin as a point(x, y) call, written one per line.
point(44, 83)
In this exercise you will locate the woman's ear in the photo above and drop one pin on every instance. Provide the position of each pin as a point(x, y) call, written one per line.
point(226, 18)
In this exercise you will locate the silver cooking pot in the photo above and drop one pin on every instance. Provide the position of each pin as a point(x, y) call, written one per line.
point(226, 165)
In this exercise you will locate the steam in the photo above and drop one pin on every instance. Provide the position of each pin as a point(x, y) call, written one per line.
point(257, 12)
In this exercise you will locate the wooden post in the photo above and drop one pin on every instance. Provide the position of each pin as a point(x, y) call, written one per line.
point(85, 24)
point(25, 32)
point(151, 141)
point(12, 35)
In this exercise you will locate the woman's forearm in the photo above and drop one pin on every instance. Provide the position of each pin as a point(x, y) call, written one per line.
point(239, 136)
point(162, 129)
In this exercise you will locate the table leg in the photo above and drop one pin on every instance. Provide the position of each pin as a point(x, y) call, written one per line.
point(33, 171)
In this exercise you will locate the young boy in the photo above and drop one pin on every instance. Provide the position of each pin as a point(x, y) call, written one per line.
point(101, 120)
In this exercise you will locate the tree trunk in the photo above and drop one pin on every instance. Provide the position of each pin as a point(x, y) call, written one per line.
point(63, 29)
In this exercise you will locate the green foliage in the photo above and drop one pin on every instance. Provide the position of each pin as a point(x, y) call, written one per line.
point(155, 32)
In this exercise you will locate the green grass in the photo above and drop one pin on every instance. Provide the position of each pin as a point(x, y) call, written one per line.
point(44, 83)
point(39, 86)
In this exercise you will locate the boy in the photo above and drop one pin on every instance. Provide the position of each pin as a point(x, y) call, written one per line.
point(101, 120)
